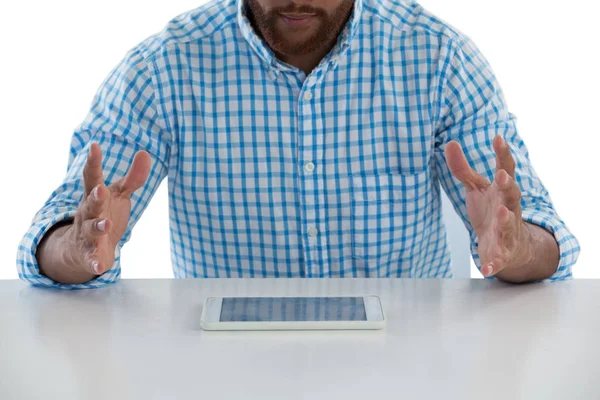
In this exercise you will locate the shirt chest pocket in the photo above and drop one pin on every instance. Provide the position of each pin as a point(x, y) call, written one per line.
point(387, 215)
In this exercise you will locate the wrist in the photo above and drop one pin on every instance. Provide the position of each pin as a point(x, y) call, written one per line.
point(67, 244)
point(537, 258)
point(525, 254)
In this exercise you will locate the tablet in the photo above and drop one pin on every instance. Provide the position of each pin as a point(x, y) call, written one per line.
point(292, 313)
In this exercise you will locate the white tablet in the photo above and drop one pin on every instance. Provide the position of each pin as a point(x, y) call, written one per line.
point(292, 313)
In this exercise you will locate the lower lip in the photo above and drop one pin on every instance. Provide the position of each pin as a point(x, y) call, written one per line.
point(297, 22)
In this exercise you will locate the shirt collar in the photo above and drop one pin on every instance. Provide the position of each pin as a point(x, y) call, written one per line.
point(267, 55)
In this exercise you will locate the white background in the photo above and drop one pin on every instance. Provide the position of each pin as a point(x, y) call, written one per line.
point(56, 53)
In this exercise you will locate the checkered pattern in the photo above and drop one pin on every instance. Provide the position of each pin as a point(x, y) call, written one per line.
point(273, 173)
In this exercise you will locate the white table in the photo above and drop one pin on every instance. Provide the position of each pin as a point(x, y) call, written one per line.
point(462, 339)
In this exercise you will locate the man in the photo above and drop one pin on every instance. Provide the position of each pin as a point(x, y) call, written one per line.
point(301, 139)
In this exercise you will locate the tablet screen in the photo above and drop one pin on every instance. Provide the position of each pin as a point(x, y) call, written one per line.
point(278, 309)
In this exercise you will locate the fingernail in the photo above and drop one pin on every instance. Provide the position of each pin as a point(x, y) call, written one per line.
point(488, 269)
point(95, 266)
point(95, 193)
point(101, 225)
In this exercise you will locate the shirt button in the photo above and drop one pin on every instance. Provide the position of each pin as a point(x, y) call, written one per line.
point(312, 231)
point(309, 167)
point(308, 96)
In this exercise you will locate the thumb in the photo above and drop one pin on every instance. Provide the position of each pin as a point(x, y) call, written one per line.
point(137, 175)
point(460, 168)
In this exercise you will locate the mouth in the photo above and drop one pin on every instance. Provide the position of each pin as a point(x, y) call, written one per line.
point(297, 20)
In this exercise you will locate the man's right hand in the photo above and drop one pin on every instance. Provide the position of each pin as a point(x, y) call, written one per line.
point(102, 216)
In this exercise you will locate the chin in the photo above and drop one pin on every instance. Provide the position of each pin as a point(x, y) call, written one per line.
point(294, 48)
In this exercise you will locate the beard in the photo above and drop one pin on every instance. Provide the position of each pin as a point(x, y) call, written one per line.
point(298, 41)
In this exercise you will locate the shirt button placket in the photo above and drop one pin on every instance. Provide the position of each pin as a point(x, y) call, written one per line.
point(309, 168)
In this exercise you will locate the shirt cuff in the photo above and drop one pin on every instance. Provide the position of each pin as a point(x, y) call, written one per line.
point(567, 243)
point(27, 263)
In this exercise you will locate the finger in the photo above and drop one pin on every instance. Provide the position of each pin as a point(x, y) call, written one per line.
point(96, 202)
point(92, 171)
point(506, 222)
point(494, 267)
point(511, 192)
point(136, 176)
point(93, 264)
point(96, 258)
point(460, 168)
point(504, 158)
point(93, 232)
point(94, 228)
point(88, 257)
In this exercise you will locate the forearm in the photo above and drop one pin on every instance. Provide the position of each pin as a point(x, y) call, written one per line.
point(53, 256)
point(541, 258)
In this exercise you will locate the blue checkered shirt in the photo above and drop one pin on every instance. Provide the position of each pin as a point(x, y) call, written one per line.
point(275, 173)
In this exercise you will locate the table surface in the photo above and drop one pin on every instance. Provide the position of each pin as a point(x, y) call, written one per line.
point(445, 339)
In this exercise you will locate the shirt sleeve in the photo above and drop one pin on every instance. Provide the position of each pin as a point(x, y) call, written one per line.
point(123, 119)
point(472, 111)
